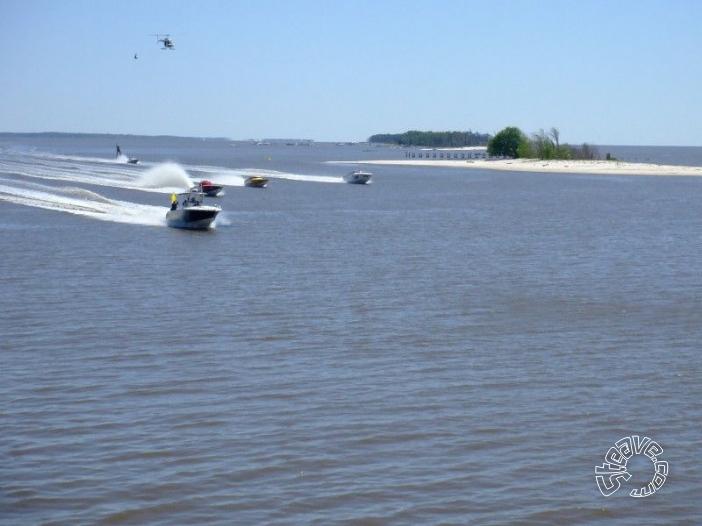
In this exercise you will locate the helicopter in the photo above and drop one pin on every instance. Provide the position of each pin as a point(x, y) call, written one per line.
point(167, 41)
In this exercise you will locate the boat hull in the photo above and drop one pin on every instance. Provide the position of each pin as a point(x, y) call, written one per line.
point(212, 192)
point(196, 218)
point(256, 182)
point(357, 177)
point(208, 188)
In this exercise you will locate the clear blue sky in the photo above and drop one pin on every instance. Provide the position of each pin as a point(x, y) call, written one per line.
point(602, 72)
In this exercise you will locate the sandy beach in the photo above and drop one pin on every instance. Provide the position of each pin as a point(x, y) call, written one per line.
point(595, 167)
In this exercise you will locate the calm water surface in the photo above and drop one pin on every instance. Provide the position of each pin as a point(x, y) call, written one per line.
point(439, 347)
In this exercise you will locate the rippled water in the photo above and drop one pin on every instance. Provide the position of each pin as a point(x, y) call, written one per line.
point(439, 347)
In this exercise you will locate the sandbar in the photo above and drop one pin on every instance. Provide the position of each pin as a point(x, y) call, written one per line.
point(594, 167)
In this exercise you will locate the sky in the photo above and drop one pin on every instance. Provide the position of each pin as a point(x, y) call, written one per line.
point(599, 71)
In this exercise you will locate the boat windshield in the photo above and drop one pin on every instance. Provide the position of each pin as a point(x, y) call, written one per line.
point(191, 198)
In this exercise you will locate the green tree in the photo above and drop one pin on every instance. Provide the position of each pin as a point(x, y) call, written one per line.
point(507, 142)
point(452, 139)
point(585, 151)
point(543, 145)
point(526, 150)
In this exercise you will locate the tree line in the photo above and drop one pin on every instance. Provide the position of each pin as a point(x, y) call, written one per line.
point(512, 142)
point(447, 139)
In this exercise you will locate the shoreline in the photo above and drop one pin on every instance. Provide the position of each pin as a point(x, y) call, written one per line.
point(590, 167)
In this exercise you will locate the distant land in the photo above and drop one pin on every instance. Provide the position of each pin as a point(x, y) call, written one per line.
point(77, 135)
point(429, 139)
point(446, 139)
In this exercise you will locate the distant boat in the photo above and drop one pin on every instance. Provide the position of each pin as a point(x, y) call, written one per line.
point(208, 188)
point(119, 155)
point(188, 211)
point(357, 177)
point(256, 181)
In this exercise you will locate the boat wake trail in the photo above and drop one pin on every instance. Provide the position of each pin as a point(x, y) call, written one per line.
point(81, 202)
point(169, 177)
point(298, 177)
point(58, 183)
point(273, 174)
point(162, 178)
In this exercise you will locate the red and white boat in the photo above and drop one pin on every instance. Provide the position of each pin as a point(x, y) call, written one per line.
point(208, 188)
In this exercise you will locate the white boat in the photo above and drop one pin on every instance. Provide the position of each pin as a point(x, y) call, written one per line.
point(188, 211)
point(357, 177)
